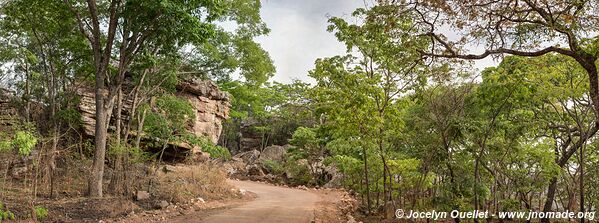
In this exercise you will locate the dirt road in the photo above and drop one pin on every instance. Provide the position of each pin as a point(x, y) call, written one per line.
point(273, 204)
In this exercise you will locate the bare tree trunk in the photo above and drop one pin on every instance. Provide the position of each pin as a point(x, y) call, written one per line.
point(365, 157)
point(115, 181)
point(582, 182)
point(140, 125)
point(550, 196)
point(52, 160)
point(97, 172)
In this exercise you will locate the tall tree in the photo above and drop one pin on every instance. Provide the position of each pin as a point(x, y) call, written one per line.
point(528, 28)
point(379, 68)
point(117, 31)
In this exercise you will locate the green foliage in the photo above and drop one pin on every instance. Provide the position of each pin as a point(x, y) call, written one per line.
point(274, 167)
point(25, 142)
point(299, 172)
point(304, 137)
point(134, 154)
point(5, 145)
point(217, 151)
point(70, 116)
point(170, 118)
point(5, 214)
point(40, 213)
point(206, 145)
point(22, 140)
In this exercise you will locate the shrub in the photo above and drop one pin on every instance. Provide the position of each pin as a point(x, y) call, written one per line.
point(5, 214)
point(299, 172)
point(40, 213)
point(215, 151)
point(274, 167)
point(23, 140)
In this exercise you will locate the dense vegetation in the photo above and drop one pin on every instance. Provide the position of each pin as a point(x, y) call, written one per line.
point(402, 115)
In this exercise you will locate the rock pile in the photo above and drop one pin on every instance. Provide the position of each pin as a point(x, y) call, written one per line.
point(250, 164)
point(254, 165)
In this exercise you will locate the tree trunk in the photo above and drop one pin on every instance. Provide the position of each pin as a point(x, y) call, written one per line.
point(550, 196)
point(52, 160)
point(365, 157)
point(582, 182)
point(115, 185)
point(97, 172)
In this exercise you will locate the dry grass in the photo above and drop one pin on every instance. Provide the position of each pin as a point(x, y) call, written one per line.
point(182, 184)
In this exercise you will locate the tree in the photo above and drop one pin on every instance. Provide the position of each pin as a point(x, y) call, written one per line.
point(360, 91)
point(557, 96)
point(521, 28)
point(514, 27)
point(45, 56)
point(118, 31)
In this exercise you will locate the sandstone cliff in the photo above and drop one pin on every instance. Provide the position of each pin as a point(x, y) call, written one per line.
point(8, 114)
point(211, 105)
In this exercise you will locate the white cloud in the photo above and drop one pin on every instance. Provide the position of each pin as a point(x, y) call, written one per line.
point(298, 35)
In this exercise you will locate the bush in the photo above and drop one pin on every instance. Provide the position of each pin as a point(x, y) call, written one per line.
point(40, 213)
point(215, 151)
point(274, 167)
point(136, 155)
point(299, 172)
point(5, 214)
point(23, 140)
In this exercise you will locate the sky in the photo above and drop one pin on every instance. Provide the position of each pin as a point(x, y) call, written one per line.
point(298, 35)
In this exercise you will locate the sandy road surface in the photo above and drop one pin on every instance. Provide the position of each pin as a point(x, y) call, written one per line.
point(273, 204)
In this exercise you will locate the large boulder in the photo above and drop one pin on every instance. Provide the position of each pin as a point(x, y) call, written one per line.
point(274, 152)
point(334, 177)
point(235, 167)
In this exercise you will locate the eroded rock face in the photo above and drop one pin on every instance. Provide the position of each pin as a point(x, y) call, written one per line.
point(211, 105)
point(7, 111)
point(87, 107)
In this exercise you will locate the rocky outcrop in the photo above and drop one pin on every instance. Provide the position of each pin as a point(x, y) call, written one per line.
point(8, 113)
point(87, 107)
point(211, 105)
point(247, 138)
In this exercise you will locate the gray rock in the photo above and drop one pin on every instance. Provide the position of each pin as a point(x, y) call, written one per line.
point(274, 152)
point(350, 219)
point(161, 204)
point(169, 168)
